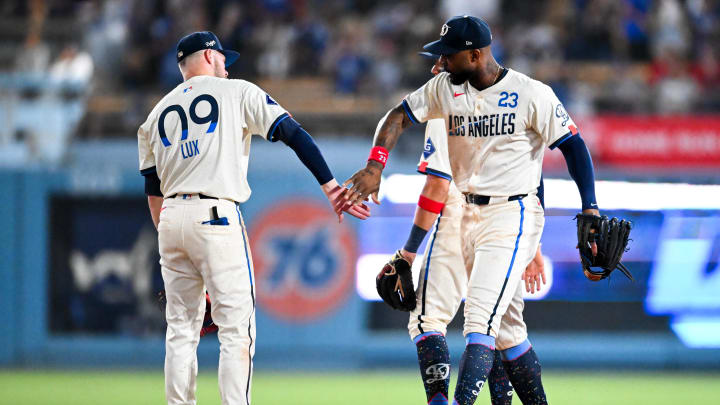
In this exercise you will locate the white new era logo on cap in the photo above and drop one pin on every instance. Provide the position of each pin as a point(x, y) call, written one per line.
point(444, 30)
point(180, 54)
point(211, 43)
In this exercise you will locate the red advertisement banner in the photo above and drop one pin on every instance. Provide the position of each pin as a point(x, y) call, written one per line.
point(679, 141)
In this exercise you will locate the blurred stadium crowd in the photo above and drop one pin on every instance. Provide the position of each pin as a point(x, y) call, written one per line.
point(98, 66)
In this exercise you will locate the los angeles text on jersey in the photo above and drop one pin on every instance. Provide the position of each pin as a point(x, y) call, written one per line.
point(482, 125)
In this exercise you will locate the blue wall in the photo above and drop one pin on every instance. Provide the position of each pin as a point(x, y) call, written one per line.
point(339, 339)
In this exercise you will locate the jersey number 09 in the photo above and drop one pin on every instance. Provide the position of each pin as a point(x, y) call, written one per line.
point(212, 117)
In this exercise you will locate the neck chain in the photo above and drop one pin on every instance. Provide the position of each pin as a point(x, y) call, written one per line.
point(497, 75)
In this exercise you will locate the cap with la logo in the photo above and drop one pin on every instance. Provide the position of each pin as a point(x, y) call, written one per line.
point(460, 33)
point(200, 40)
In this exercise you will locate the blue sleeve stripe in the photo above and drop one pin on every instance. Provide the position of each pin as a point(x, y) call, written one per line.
point(436, 173)
point(561, 140)
point(149, 170)
point(273, 127)
point(409, 112)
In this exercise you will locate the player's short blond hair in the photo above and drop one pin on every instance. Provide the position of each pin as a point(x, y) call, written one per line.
point(184, 64)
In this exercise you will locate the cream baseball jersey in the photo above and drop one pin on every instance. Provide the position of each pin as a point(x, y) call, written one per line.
point(495, 137)
point(198, 136)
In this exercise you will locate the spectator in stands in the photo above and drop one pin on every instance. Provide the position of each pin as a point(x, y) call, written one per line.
point(27, 101)
point(635, 26)
point(64, 103)
point(705, 18)
point(350, 67)
point(671, 31)
point(34, 57)
point(348, 59)
point(592, 51)
point(106, 37)
point(310, 42)
point(236, 26)
point(72, 67)
point(386, 70)
point(706, 68)
point(595, 34)
point(706, 71)
point(275, 57)
point(677, 92)
point(489, 10)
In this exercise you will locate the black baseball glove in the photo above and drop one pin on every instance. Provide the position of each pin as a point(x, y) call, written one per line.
point(395, 285)
point(611, 237)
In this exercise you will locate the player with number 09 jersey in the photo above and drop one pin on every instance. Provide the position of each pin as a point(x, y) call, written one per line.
point(194, 149)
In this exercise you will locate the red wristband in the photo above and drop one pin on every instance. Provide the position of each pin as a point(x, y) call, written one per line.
point(379, 154)
point(433, 206)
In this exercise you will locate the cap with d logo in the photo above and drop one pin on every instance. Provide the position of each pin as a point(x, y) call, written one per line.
point(200, 40)
point(460, 33)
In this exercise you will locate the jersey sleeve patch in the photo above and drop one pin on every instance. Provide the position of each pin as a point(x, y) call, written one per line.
point(429, 148)
point(269, 100)
point(562, 114)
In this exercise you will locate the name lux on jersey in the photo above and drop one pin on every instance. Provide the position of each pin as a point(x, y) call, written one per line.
point(481, 125)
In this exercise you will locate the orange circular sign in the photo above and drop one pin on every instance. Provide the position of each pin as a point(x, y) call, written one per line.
point(303, 260)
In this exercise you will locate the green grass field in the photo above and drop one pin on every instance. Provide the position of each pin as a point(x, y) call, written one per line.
point(390, 387)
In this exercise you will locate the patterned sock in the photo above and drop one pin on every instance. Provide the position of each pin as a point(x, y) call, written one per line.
point(434, 360)
point(523, 368)
point(501, 392)
point(474, 367)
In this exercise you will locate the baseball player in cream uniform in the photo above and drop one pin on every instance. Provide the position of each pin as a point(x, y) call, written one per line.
point(498, 123)
point(194, 149)
point(454, 257)
point(439, 294)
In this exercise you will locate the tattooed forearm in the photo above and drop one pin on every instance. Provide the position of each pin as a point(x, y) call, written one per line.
point(395, 121)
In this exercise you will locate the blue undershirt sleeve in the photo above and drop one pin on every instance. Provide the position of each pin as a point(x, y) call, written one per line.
point(580, 166)
point(294, 136)
point(415, 238)
point(541, 192)
point(152, 182)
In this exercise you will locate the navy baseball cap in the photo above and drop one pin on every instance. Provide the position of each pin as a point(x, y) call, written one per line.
point(200, 40)
point(428, 55)
point(460, 33)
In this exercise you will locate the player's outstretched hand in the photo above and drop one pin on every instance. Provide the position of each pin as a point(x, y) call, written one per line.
point(365, 183)
point(335, 193)
point(534, 273)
